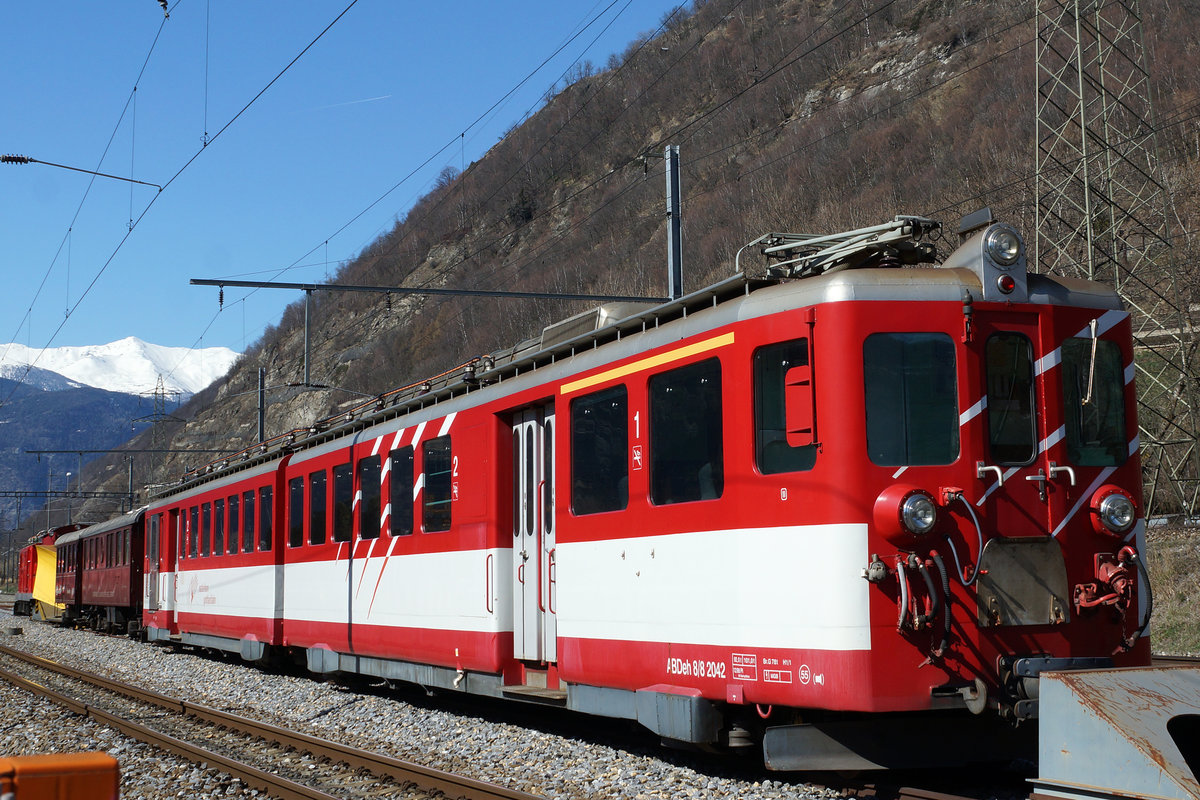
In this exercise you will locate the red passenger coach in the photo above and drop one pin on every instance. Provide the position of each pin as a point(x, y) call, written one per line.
point(847, 508)
point(100, 574)
point(214, 570)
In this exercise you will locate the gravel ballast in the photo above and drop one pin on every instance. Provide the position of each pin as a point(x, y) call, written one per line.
point(523, 758)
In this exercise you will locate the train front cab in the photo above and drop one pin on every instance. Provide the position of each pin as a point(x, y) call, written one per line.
point(995, 415)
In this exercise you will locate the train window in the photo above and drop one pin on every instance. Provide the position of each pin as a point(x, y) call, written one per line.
point(264, 518)
point(439, 484)
point(516, 472)
point(248, 519)
point(530, 503)
point(218, 527)
point(1010, 405)
point(317, 502)
point(235, 521)
point(599, 451)
point(548, 476)
point(912, 399)
point(687, 459)
point(401, 492)
point(369, 471)
point(205, 529)
point(1094, 402)
point(295, 512)
point(152, 545)
point(343, 502)
point(194, 533)
point(771, 449)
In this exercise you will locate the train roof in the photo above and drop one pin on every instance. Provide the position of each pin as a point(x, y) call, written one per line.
point(882, 263)
point(116, 523)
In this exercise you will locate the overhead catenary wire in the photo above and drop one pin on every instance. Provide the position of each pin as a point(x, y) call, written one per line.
point(28, 316)
point(134, 222)
point(572, 196)
point(636, 159)
point(431, 158)
point(614, 170)
point(986, 62)
point(457, 139)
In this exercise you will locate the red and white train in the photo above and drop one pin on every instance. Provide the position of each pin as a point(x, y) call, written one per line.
point(847, 510)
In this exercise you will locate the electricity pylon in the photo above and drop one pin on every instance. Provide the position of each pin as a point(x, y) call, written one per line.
point(1102, 215)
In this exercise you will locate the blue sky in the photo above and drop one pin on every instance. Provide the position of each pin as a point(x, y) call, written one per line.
point(388, 86)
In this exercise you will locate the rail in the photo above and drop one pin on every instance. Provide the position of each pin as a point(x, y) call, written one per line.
point(403, 772)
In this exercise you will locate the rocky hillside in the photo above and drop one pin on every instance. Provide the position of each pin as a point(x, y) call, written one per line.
point(790, 115)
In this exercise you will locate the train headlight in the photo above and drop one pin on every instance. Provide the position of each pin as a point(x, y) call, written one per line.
point(903, 512)
point(918, 513)
point(1113, 511)
point(1003, 246)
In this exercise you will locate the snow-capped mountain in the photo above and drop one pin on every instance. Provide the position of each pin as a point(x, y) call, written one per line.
point(130, 366)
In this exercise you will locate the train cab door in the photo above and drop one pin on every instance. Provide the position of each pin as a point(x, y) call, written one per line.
point(534, 629)
point(1024, 488)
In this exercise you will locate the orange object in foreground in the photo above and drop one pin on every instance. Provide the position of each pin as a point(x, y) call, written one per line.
point(60, 776)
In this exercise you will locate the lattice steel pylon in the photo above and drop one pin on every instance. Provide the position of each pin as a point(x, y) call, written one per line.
point(1102, 215)
point(160, 411)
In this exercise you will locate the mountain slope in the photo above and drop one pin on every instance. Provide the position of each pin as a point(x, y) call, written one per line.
point(73, 418)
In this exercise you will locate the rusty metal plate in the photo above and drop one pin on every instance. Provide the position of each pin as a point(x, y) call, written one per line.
point(1120, 733)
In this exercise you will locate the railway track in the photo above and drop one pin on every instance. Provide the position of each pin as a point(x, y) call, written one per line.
point(283, 763)
point(1175, 661)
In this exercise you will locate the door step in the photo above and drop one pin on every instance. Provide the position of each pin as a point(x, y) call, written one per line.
point(537, 694)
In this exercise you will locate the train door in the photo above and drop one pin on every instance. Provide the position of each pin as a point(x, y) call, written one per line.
point(172, 547)
point(1026, 486)
point(152, 567)
point(534, 596)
